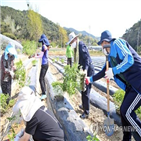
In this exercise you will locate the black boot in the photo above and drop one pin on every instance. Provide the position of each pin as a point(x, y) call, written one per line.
point(84, 116)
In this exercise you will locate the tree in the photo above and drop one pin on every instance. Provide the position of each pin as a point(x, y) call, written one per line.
point(63, 38)
point(5, 28)
point(34, 25)
point(133, 35)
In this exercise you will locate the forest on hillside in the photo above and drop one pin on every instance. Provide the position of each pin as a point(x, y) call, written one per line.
point(133, 36)
point(29, 25)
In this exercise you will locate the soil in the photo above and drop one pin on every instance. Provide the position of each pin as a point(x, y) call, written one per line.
point(17, 128)
point(96, 116)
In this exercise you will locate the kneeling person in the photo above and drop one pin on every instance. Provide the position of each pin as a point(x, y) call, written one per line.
point(40, 122)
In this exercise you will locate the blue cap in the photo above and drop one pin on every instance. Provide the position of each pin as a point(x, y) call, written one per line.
point(44, 40)
point(106, 36)
point(10, 48)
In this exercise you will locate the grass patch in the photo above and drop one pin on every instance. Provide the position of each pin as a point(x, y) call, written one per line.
point(96, 53)
point(60, 51)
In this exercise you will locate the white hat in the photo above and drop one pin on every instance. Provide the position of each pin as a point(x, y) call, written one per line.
point(71, 37)
point(27, 103)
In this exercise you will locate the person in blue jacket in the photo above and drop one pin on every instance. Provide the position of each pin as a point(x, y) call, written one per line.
point(45, 64)
point(125, 67)
point(83, 59)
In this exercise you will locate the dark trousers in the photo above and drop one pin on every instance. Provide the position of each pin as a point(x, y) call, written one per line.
point(43, 71)
point(69, 61)
point(131, 102)
point(86, 94)
point(6, 87)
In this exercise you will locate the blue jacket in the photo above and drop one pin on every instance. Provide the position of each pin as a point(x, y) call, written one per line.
point(84, 58)
point(128, 65)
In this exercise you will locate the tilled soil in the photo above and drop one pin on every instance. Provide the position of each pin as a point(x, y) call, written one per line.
point(96, 116)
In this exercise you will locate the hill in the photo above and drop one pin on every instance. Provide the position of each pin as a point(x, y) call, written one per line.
point(85, 36)
point(14, 24)
point(79, 32)
point(133, 36)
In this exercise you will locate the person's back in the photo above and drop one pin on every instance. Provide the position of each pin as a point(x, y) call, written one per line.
point(83, 55)
point(44, 126)
point(40, 122)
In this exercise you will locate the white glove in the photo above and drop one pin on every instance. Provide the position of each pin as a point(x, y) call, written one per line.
point(85, 72)
point(12, 74)
point(109, 74)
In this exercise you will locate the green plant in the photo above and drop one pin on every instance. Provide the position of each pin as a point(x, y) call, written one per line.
point(29, 47)
point(20, 73)
point(53, 44)
point(10, 35)
point(3, 104)
point(12, 134)
point(70, 81)
point(57, 59)
point(11, 103)
point(90, 138)
point(58, 87)
point(138, 112)
point(62, 61)
point(118, 97)
point(53, 60)
point(11, 118)
point(54, 84)
point(34, 62)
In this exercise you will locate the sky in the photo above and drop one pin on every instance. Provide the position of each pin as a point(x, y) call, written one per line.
point(93, 16)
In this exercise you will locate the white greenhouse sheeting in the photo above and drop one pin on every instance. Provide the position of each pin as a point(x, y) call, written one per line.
point(4, 39)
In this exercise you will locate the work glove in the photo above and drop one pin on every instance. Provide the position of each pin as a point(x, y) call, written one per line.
point(109, 74)
point(88, 80)
point(12, 74)
point(85, 72)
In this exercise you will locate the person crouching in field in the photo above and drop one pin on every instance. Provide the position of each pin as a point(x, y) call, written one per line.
point(7, 68)
point(40, 122)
